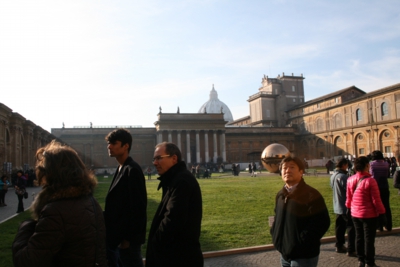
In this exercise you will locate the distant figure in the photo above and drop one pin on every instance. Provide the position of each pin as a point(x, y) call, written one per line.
point(233, 169)
point(379, 169)
point(20, 185)
point(198, 171)
point(301, 218)
point(175, 230)
point(393, 166)
point(253, 170)
point(3, 190)
point(338, 182)
point(125, 205)
point(250, 168)
point(67, 228)
point(148, 173)
point(329, 166)
point(366, 207)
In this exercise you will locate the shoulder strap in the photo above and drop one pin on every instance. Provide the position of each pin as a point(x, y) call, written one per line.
point(359, 181)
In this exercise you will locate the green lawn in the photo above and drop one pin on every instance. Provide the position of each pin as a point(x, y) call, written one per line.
point(235, 210)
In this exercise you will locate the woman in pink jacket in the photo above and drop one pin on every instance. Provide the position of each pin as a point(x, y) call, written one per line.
point(366, 207)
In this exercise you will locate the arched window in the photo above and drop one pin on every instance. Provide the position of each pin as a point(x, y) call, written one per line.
point(384, 109)
point(320, 125)
point(358, 114)
point(337, 121)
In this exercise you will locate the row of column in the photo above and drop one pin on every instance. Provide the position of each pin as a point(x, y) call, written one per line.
point(206, 144)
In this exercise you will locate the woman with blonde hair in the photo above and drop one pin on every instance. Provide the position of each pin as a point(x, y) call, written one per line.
point(67, 228)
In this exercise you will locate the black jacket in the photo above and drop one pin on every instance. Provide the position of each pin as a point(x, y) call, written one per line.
point(175, 230)
point(125, 207)
point(69, 231)
point(301, 220)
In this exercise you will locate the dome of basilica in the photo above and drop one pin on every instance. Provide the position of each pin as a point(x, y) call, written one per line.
point(214, 105)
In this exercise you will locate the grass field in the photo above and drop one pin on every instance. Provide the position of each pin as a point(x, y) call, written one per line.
point(235, 210)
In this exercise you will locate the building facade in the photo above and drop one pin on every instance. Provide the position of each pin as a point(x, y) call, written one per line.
point(19, 140)
point(348, 122)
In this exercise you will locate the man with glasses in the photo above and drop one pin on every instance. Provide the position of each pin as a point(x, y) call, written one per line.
point(175, 230)
point(125, 207)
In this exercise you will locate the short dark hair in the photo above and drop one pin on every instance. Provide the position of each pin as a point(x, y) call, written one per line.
point(171, 149)
point(296, 160)
point(122, 135)
point(20, 171)
point(342, 162)
point(361, 163)
point(376, 155)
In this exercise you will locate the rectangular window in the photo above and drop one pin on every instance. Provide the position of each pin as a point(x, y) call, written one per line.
point(293, 88)
point(318, 105)
point(361, 151)
point(268, 113)
point(276, 91)
point(388, 149)
point(294, 100)
point(337, 100)
point(321, 154)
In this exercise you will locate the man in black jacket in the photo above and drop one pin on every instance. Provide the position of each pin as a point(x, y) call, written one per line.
point(301, 217)
point(125, 207)
point(175, 231)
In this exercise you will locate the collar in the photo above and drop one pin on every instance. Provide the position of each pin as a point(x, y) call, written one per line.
point(168, 176)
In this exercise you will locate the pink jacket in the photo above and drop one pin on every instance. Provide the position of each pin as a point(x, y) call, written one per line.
point(365, 201)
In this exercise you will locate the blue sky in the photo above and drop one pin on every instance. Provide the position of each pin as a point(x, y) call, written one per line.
point(116, 62)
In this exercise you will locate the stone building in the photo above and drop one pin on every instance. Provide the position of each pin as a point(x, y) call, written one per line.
point(19, 140)
point(348, 122)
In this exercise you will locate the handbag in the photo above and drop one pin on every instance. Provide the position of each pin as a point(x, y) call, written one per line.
point(26, 195)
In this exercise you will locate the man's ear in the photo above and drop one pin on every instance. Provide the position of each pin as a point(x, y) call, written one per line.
point(175, 158)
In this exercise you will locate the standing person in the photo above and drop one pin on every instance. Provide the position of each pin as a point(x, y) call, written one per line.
point(3, 190)
point(366, 206)
point(67, 228)
point(343, 221)
point(148, 173)
point(254, 170)
point(250, 167)
point(393, 166)
point(379, 170)
point(301, 217)
point(234, 169)
point(20, 189)
point(175, 231)
point(125, 205)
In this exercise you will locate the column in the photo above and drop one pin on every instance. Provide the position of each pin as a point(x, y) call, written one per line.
point(223, 146)
point(369, 141)
point(188, 157)
point(376, 137)
point(206, 145)
point(170, 136)
point(179, 140)
point(159, 137)
point(215, 146)
point(197, 146)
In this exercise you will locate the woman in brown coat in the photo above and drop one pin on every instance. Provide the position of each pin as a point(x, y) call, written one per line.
point(67, 228)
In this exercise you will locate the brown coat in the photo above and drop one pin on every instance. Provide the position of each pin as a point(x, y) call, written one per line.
point(64, 233)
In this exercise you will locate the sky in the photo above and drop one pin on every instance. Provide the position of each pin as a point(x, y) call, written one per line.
point(116, 62)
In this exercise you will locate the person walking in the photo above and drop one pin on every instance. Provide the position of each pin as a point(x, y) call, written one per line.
point(20, 189)
point(338, 182)
point(125, 204)
point(379, 169)
point(148, 173)
point(3, 190)
point(301, 217)
point(67, 226)
point(366, 207)
point(175, 230)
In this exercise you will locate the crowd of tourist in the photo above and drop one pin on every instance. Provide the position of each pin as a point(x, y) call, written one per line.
point(69, 228)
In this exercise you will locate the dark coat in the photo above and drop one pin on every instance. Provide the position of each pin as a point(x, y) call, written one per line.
point(396, 180)
point(69, 231)
point(125, 207)
point(301, 220)
point(175, 230)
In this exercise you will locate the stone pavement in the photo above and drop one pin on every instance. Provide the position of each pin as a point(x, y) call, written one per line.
point(387, 255)
point(11, 200)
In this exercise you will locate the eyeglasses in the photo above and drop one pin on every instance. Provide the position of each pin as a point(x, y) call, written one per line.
point(158, 158)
